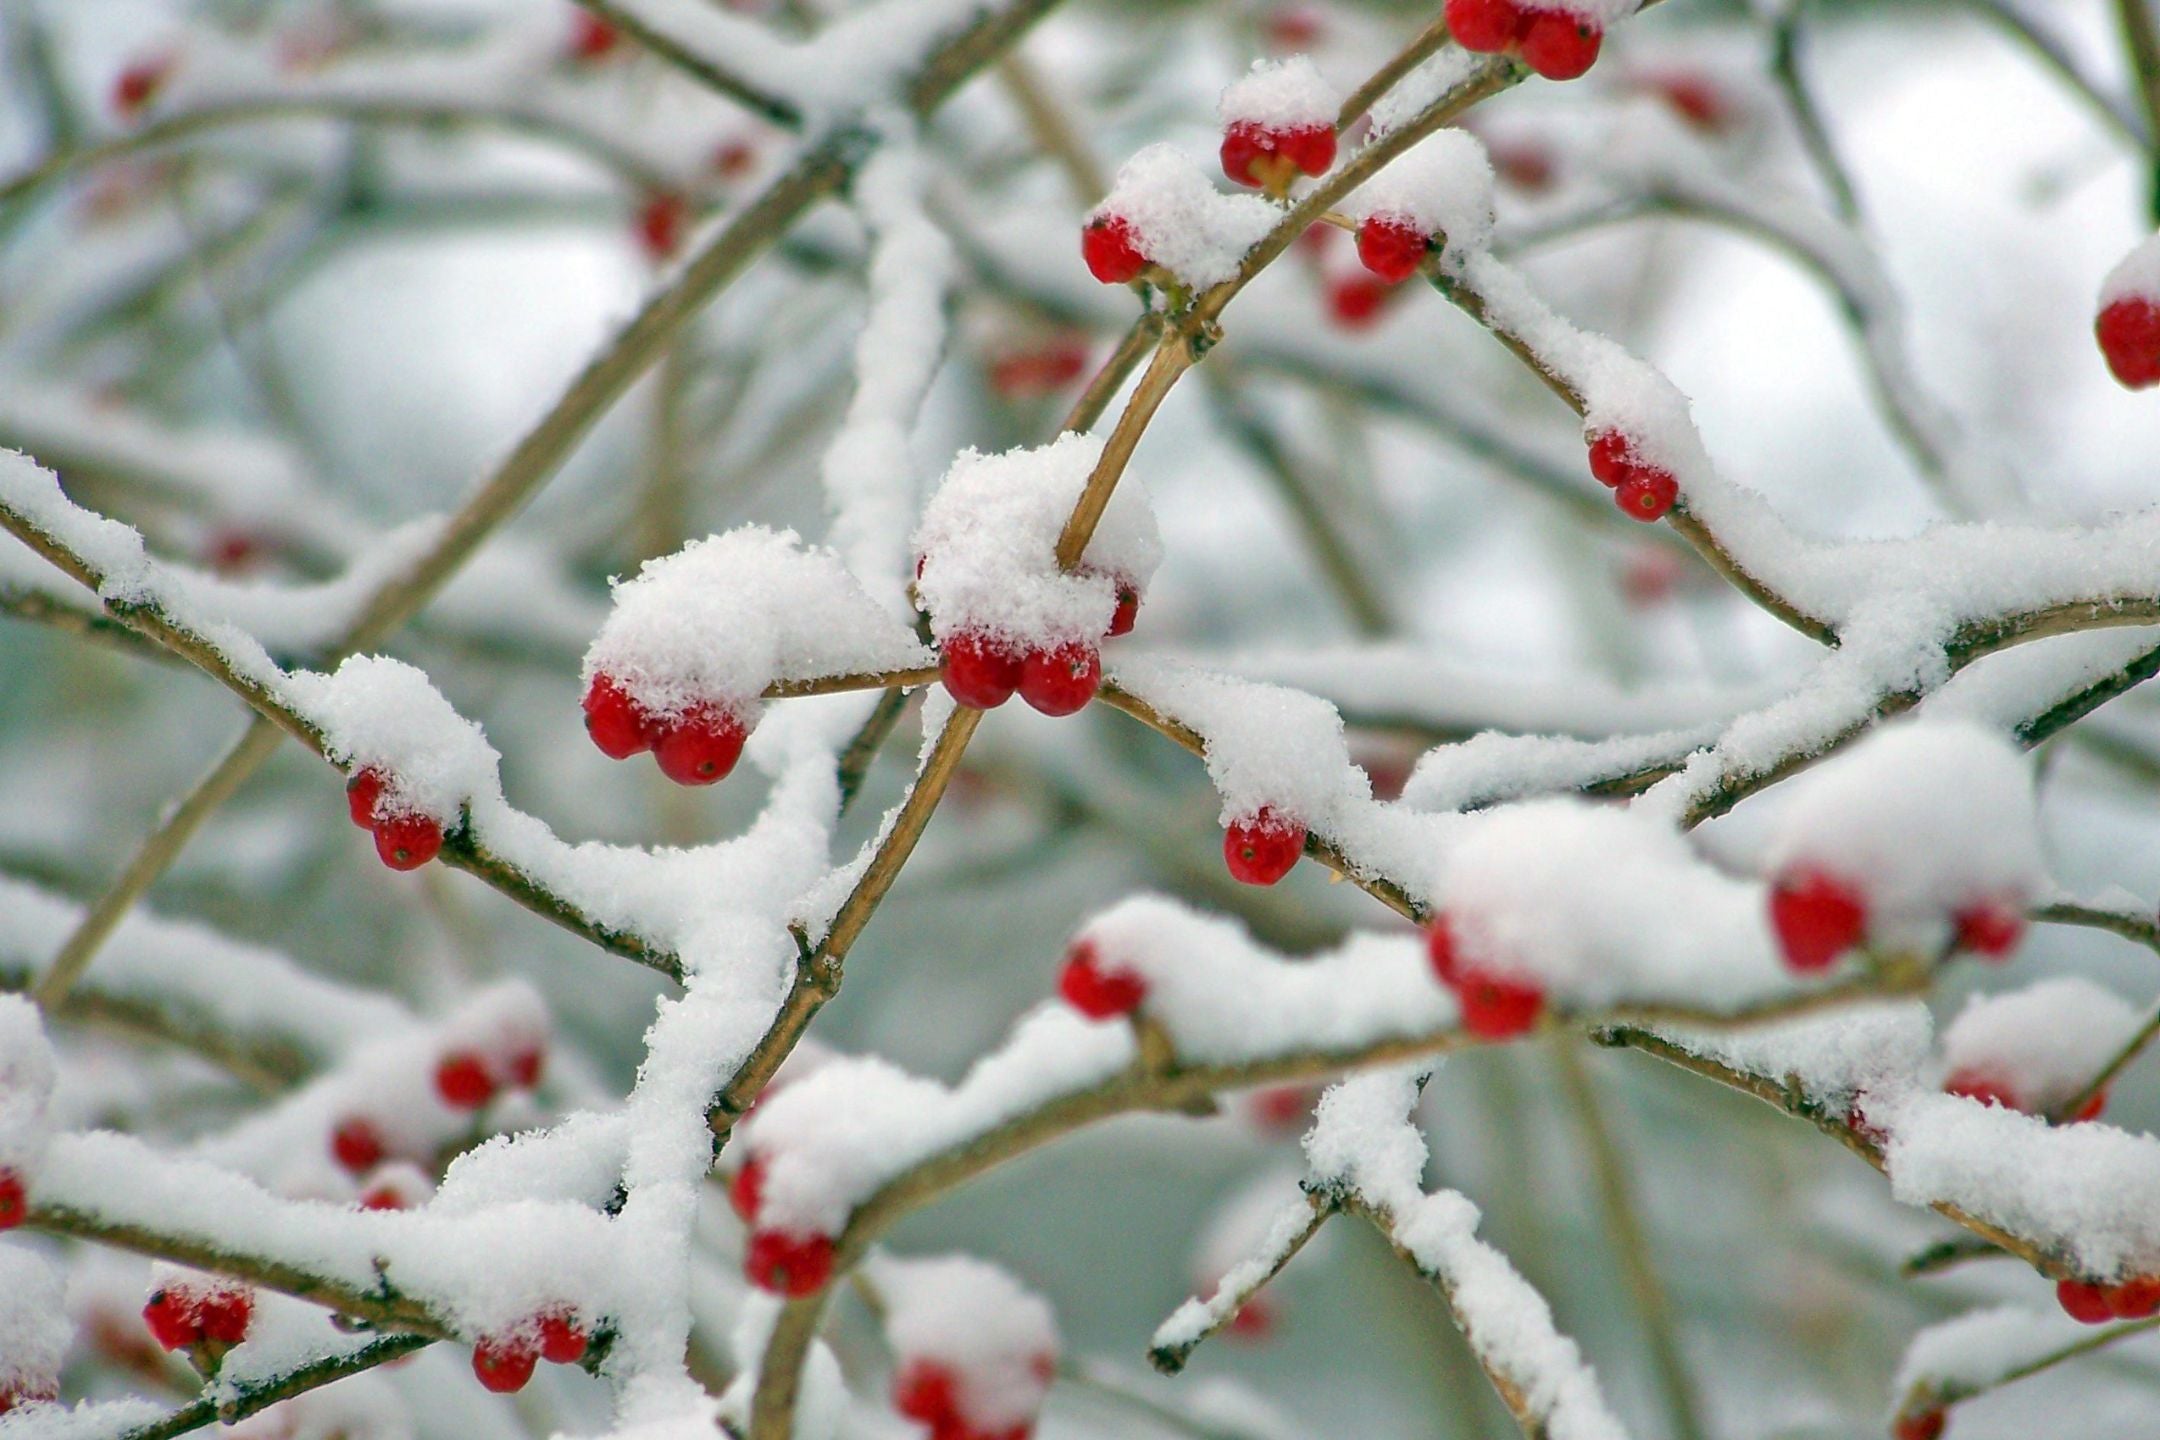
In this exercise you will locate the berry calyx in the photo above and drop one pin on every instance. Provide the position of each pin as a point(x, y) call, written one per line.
point(14, 1199)
point(173, 1319)
point(789, 1265)
point(1561, 46)
point(701, 747)
point(504, 1363)
point(463, 1081)
point(1990, 929)
point(1270, 157)
point(1097, 990)
point(2129, 334)
point(592, 38)
point(406, 842)
point(2137, 1298)
point(661, 223)
point(1817, 918)
point(1261, 848)
point(562, 1340)
point(1112, 250)
point(1647, 495)
point(362, 793)
point(617, 723)
point(1483, 27)
point(746, 1191)
point(357, 1145)
point(1392, 247)
point(1061, 681)
point(927, 1391)
point(1920, 1425)
point(977, 671)
point(2084, 1303)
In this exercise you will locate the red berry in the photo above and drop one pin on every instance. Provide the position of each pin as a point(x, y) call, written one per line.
point(1612, 458)
point(527, 1065)
point(173, 1318)
point(592, 38)
point(701, 747)
point(1293, 28)
point(406, 842)
point(2129, 335)
point(385, 1196)
point(2090, 1110)
point(505, 1362)
point(138, 84)
point(1260, 850)
point(1111, 249)
point(1355, 301)
point(1524, 164)
point(225, 1316)
point(1561, 46)
point(733, 159)
point(790, 1265)
point(14, 1199)
point(1127, 613)
point(1096, 990)
point(661, 222)
point(1282, 1107)
point(616, 722)
point(1695, 99)
point(357, 1144)
point(1817, 919)
point(978, 672)
point(1258, 155)
point(1923, 1425)
point(1392, 247)
point(1039, 371)
point(1647, 495)
point(1440, 949)
point(562, 1340)
point(1986, 1089)
point(362, 793)
point(747, 1190)
point(1483, 26)
point(2137, 1298)
point(1990, 929)
point(463, 1081)
point(1254, 1320)
point(1061, 681)
point(927, 1391)
point(2086, 1304)
point(1497, 1007)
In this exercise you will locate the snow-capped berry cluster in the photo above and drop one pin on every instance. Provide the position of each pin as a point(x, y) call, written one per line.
point(1164, 215)
point(974, 1351)
point(1278, 124)
point(2128, 324)
point(1006, 619)
point(1922, 835)
point(682, 662)
point(487, 1052)
point(1559, 42)
point(405, 839)
point(1498, 1003)
point(205, 1315)
point(2038, 1048)
point(1642, 490)
point(504, 1361)
point(1438, 196)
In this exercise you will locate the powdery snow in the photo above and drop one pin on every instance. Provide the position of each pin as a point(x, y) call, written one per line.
point(1183, 223)
point(2045, 1042)
point(2137, 274)
point(1443, 186)
point(1281, 95)
point(999, 1339)
point(34, 1328)
point(26, 1084)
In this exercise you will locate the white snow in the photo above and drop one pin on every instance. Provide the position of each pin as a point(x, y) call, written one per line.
point(1182, 222)
point(999, 1339)
point(1286, 94)
point(1443, 186)
point(2136, 274)
point(2045, 1042)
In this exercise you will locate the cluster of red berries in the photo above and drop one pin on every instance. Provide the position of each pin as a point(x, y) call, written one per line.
point(405, 839)
point(14, 1199)
point(467, 1079)
point(1642, 491)
point(1261, 848)
point(1494, 1006)
point(1919, 1425)
point(1818, 916)
point(1557, 44)
point(137, 85)
point(2129, 333)
point(359, 1146)
point(982, 672)
point(698, 747)
point(1993, 1090)
point(929, 1391)
point(592, 39)
point(213, 1316)
point(784, 1262)
point(2137, 1298)
point(504, 1363)
point(1269, 157)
